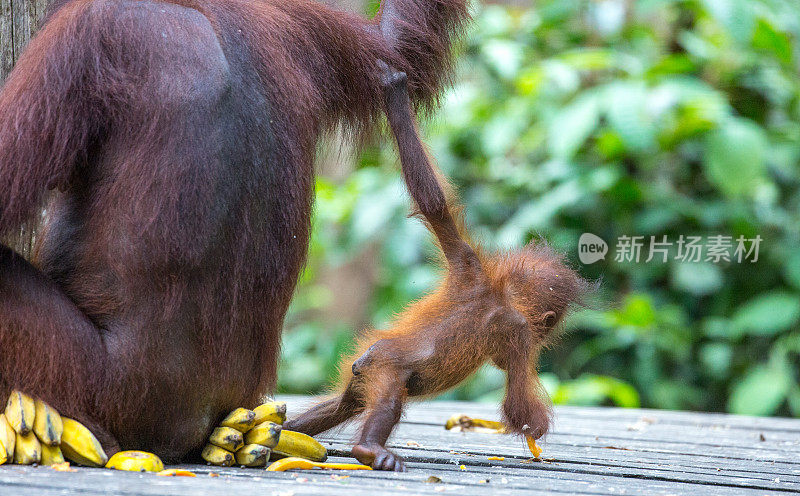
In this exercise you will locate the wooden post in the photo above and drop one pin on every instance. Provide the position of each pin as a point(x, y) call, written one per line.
point(18, 21)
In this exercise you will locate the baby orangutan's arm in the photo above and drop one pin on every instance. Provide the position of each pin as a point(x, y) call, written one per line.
point(524, 407)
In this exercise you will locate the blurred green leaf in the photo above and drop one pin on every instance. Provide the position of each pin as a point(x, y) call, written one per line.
point(768, 314)
point(637, 311)
point(504, 56)
point(627, 111)
point(735, 157)
point(735, 15)
point(792, 270)
point(766, 37)
point(596, 390)
point(697, 278)
point(761, 391)
point(716, 358)
point(573, 125)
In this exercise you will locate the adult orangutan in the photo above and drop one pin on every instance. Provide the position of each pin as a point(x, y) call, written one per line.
point(170, 144)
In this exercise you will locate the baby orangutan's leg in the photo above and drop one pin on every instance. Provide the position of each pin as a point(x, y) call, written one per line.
point(386, 390)
point(328, 414)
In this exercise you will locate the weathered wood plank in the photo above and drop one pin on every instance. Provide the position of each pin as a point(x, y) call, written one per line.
point(25, 15)
point(596, 453)
point(19, 20)
point(574, 463)
point(469, 482)
point(591, 451)
point(6, 38)
point(628, 415)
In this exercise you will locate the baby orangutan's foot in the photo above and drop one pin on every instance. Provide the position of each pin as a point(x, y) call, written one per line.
point(378, 457)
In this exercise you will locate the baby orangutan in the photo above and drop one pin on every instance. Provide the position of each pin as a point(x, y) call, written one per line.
point(501, 308)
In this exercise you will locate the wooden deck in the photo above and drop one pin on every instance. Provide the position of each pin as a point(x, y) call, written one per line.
point(605, 451)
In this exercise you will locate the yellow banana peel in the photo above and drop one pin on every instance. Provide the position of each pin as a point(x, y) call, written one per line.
point(47, 425)
point(303, 464)
point(52, 455)
point(80, 446)
point(217, 456)
point(464, 423)
point(135, 461)
point(240, 419)
point(272, 411)
point(536, 451)
point(20, 412)
point(28, 450)
point(7, 436)
point(176, 472)
point(252, 455)
point(226, 438)
point(297, 444)
point(266, 434)
point(62, 467)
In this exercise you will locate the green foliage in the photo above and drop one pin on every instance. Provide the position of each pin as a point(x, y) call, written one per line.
point(650, 118)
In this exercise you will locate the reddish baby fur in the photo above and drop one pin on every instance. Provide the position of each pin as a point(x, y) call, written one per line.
point(180, 138)
point(502, 308)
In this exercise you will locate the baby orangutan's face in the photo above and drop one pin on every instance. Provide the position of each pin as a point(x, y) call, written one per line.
point(543, 287)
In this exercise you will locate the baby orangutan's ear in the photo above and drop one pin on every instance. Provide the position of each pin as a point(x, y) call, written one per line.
point(549, 319)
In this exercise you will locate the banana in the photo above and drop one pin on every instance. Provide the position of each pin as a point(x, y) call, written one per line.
point(176, 472)
point(135, 461)
point(252, 455)
point(240, 419)
point(79, 444)
point(273, 411)
point(297, 444)
point(536, 451)
point(226, 438)
point(51, 455)
point(62, 467)
point(303, 464)
point(454, 420)
point(7, 436)
point(3, 454)
point(463, 423)
point(47, 424)
point(20, 412)
point(266, 434)
point(217, 456)
point(28, 450)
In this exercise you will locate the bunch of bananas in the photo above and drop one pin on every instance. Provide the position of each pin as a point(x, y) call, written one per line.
point(252, 437)
point(31, 431)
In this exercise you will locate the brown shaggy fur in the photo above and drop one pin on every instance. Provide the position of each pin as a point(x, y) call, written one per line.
point(502, 308)
point(180, 138)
